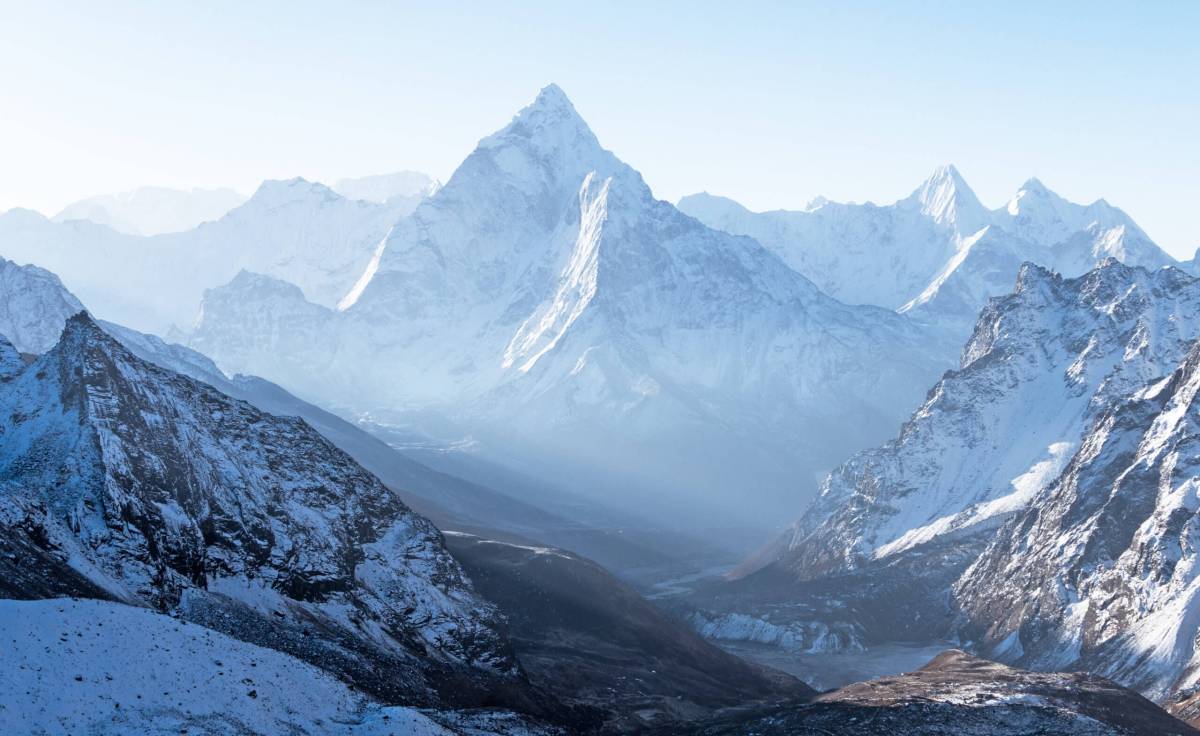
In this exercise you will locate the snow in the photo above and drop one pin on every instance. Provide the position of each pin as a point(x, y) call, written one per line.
point(153, 210)
point(296, 230)
point(937, 255)
point(545, 304)
point(34, 306)
point(76, 666)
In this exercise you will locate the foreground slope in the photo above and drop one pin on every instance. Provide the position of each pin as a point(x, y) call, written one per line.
point(123, 480)
point(80, 666)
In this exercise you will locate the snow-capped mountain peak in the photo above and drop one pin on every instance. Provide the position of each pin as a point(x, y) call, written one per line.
point(1040, 215)
point(946, 198)
point(545, 290)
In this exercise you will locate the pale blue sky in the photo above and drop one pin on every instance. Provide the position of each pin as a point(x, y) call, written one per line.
point(769, 103)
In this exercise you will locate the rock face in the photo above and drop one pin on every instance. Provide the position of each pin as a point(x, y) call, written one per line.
point(120, 479)
point(1100, 570)
point(1043, 365)
point(1039, 505)
point(545, 304)
point(937, 255)
point(956, 695)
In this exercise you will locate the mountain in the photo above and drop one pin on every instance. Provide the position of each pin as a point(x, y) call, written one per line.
point(860, 254)
point(1035, 507)
point(1043, 363)
point(34, 305)
point(592, 641)
point(938, 255)
point(125, 481)
point(960, 695)
point(407, 186)
point(39, 307)
point(297, 230)
point(1099, 569)
point(153, 210)
point(545, 305)
point(96, 667)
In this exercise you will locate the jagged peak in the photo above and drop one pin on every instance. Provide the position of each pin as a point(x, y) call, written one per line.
point(1031, 274)
point(82, 333)
point(547, 124)
point(947, 198)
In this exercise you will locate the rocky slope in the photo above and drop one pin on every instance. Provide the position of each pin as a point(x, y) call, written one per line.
point(1100, 569)
point(905, 520)
point(593, 641)
point(1043, 363)
point(959, 695)
point(126, 481)
point(545, 304)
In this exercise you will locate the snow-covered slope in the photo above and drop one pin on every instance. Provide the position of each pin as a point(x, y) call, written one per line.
point(121, 479)
point(153, 210)
point(1100, 569)
point(297, 230)
point(544, 302)
point(1043, 363)
point(34, 306)
point(938, 254)
point(86, 666)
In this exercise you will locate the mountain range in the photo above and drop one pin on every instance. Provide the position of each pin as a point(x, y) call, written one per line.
point(937, 255)
point(295, 229)
point(153, 210)
point(545, 305)
point(1037, 508)
point(587, 354)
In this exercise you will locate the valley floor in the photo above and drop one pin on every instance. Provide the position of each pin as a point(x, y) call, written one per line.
point(831, 670)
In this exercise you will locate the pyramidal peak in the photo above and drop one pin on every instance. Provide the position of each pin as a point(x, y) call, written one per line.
point(550, 124)
point(948, 200)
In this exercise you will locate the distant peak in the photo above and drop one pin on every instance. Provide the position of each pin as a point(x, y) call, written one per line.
point(1034, 184)
point(277, 191)
point(948, 200)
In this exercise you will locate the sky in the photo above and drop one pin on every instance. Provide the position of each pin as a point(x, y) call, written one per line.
point(771, 104)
